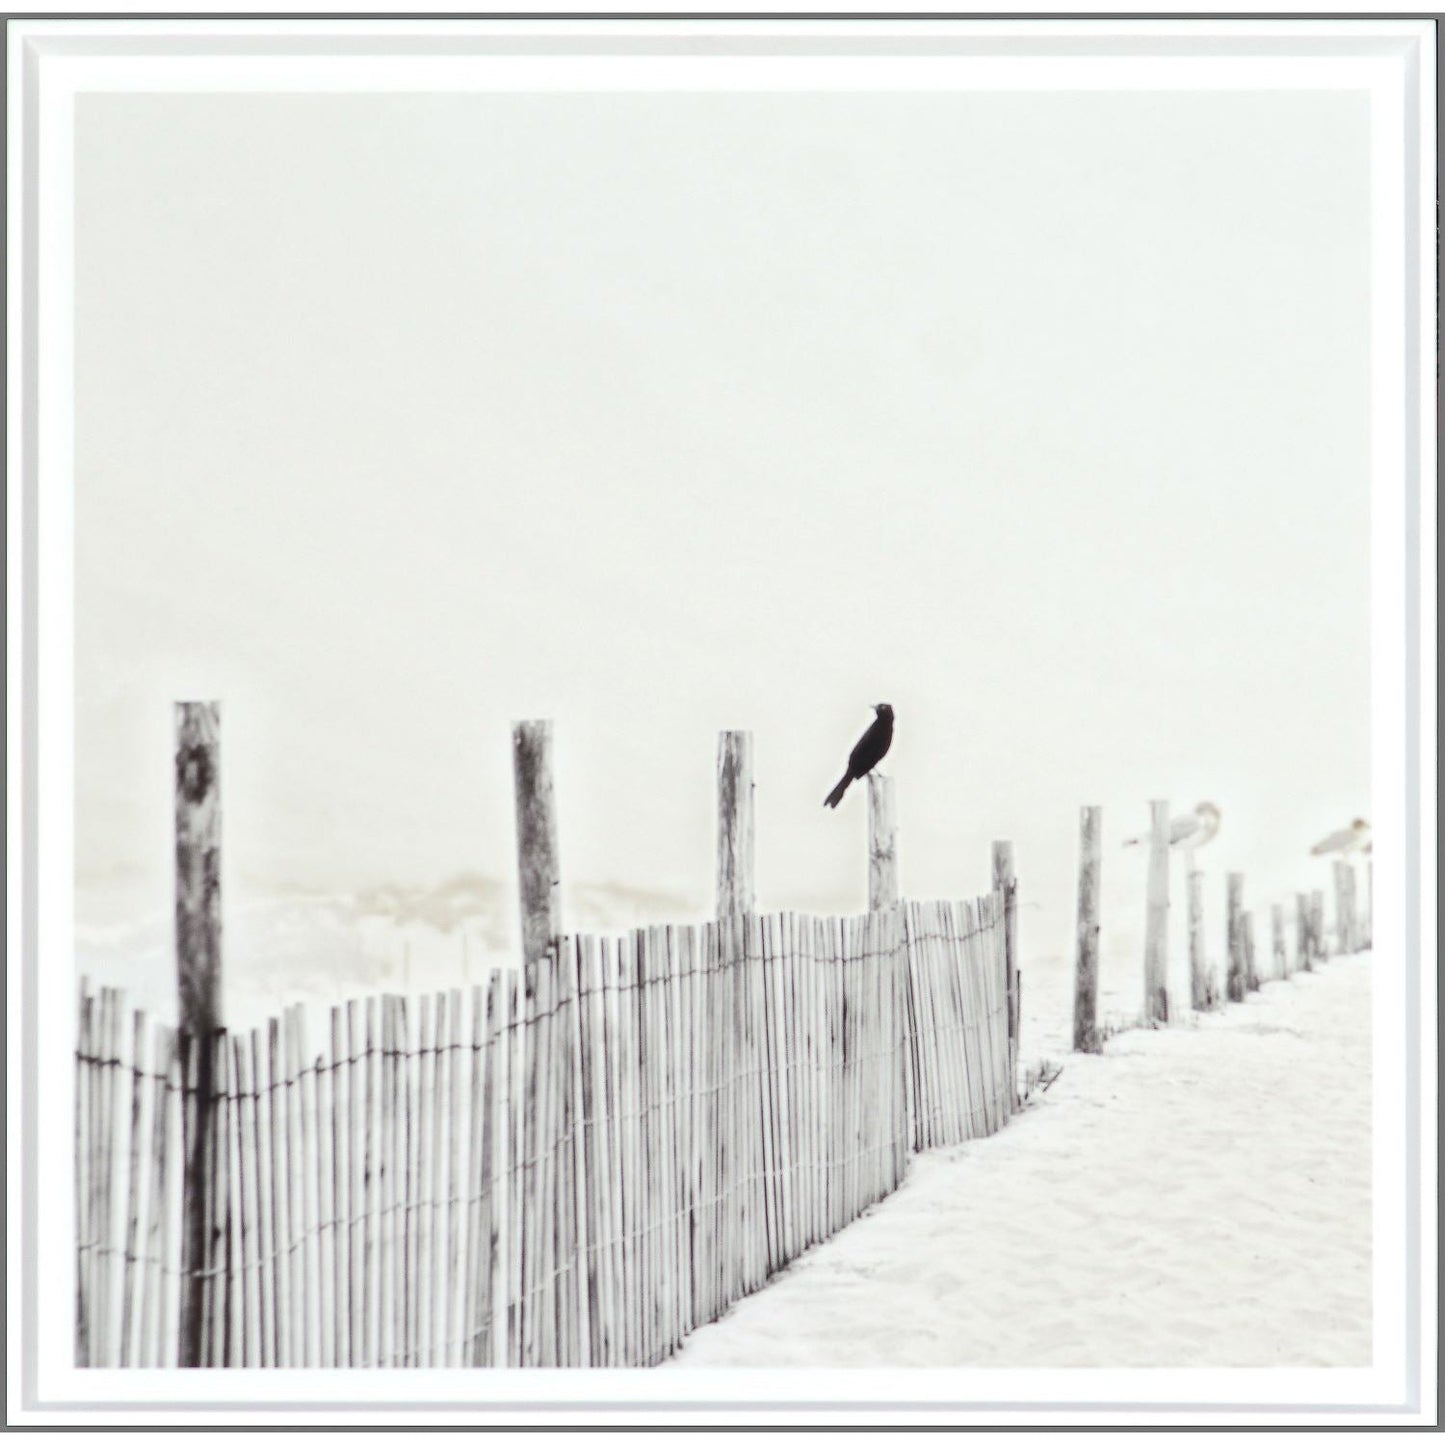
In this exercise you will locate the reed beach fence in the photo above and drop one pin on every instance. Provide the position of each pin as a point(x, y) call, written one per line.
point(572, 1163)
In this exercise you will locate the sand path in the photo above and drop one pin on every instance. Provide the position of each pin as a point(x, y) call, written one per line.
point(1197, 1196)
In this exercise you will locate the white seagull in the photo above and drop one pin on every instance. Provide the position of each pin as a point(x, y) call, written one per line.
point(1347, 840)
point(1189, 829)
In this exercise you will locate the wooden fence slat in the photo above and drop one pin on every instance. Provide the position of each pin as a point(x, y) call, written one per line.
point(426, 1136)
point(280, 1214)
point(403, 1219)
point(247, 1253)
point(468, 1335)
point(203, 1106)
point(85, 1134)
point(515, 1144)
point(326, 1295)
point(303, 1126)
point(554, 1242)
point(371, 1176)
point(101, 1338)
point(613, 1008)
point(267, 1243)
point(453, 1260)
point(604, 1149)
point(355, 1215)
point(530, 1219)
point(489, 1260)
point(130, 1314)
point(221, 1264)
point(155, 1256)
point(440, 1054)
point(387, 1241)
point(584, 1143)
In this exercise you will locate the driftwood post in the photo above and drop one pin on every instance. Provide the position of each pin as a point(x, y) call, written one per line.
point(1317, 924)
point(1352, 909)
point(1086, 959)
point(198, 982)
point(882, 844)
point(1281, 958)
point(1369, 939)
point(1156, 921)
point(1201, 985)
point(1303, 955)
point(537, 871)
point(1342, 906)
point(734, 824)
point(1251, 972)
point(1235, 935)
point(1006, 882)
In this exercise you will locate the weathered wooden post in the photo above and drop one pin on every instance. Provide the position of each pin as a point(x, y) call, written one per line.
point(1352, 910)
point(735, 893)
point(1251, 972)
point(882, 844)
point(1370, 901)
point(1281, 958)
point(1317, 924)
point(537, 869)
point(198, 984)
point(1086, 957)
point(1303, 954)
point(1201, 983)
point(1236, 971)
point(1342, 936)
point(1006, 882)
point(1156, 922)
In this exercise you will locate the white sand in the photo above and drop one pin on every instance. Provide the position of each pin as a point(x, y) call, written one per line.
point(1197, 1196)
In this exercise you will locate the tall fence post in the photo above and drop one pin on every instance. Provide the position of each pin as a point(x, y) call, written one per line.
point(1005, 881)
point(1370, 901)
point(198, 983)
point(1251, 972)
point(537, 868)
point(1086, 958)
point(1235, 935)
point(1303, 954)
point(1317, 924)
point(1352, 909)
point(735, 893)
point(1281, 958)
point(882, 844)
point(1201, 984)
point(1156, 922)
point(1342, 906)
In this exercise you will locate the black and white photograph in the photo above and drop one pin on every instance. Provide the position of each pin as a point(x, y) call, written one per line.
point(717, 712)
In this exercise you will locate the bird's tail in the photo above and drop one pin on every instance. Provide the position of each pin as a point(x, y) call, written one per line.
point(836, 796)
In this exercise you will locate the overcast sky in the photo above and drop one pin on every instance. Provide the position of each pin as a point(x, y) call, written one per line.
point(1042, 417)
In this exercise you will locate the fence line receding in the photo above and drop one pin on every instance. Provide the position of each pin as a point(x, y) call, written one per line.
point(574, 1164)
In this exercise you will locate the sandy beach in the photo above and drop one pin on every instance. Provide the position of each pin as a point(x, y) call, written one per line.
point(1196, 1196)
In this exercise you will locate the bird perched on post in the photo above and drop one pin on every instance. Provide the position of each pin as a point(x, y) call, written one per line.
point(1192, 829)
point(867, 753)
point(1347, 840)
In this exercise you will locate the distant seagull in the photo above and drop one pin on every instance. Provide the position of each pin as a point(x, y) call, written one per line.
point(1347, 840)
point(1193, 829)
point(867, 752)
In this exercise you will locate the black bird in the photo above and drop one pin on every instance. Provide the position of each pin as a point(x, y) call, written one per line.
point(867, 754)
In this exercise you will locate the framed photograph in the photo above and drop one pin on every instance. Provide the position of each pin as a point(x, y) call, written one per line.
point(722, 720)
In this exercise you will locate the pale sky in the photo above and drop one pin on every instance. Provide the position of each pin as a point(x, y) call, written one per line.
point(1042, 417)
